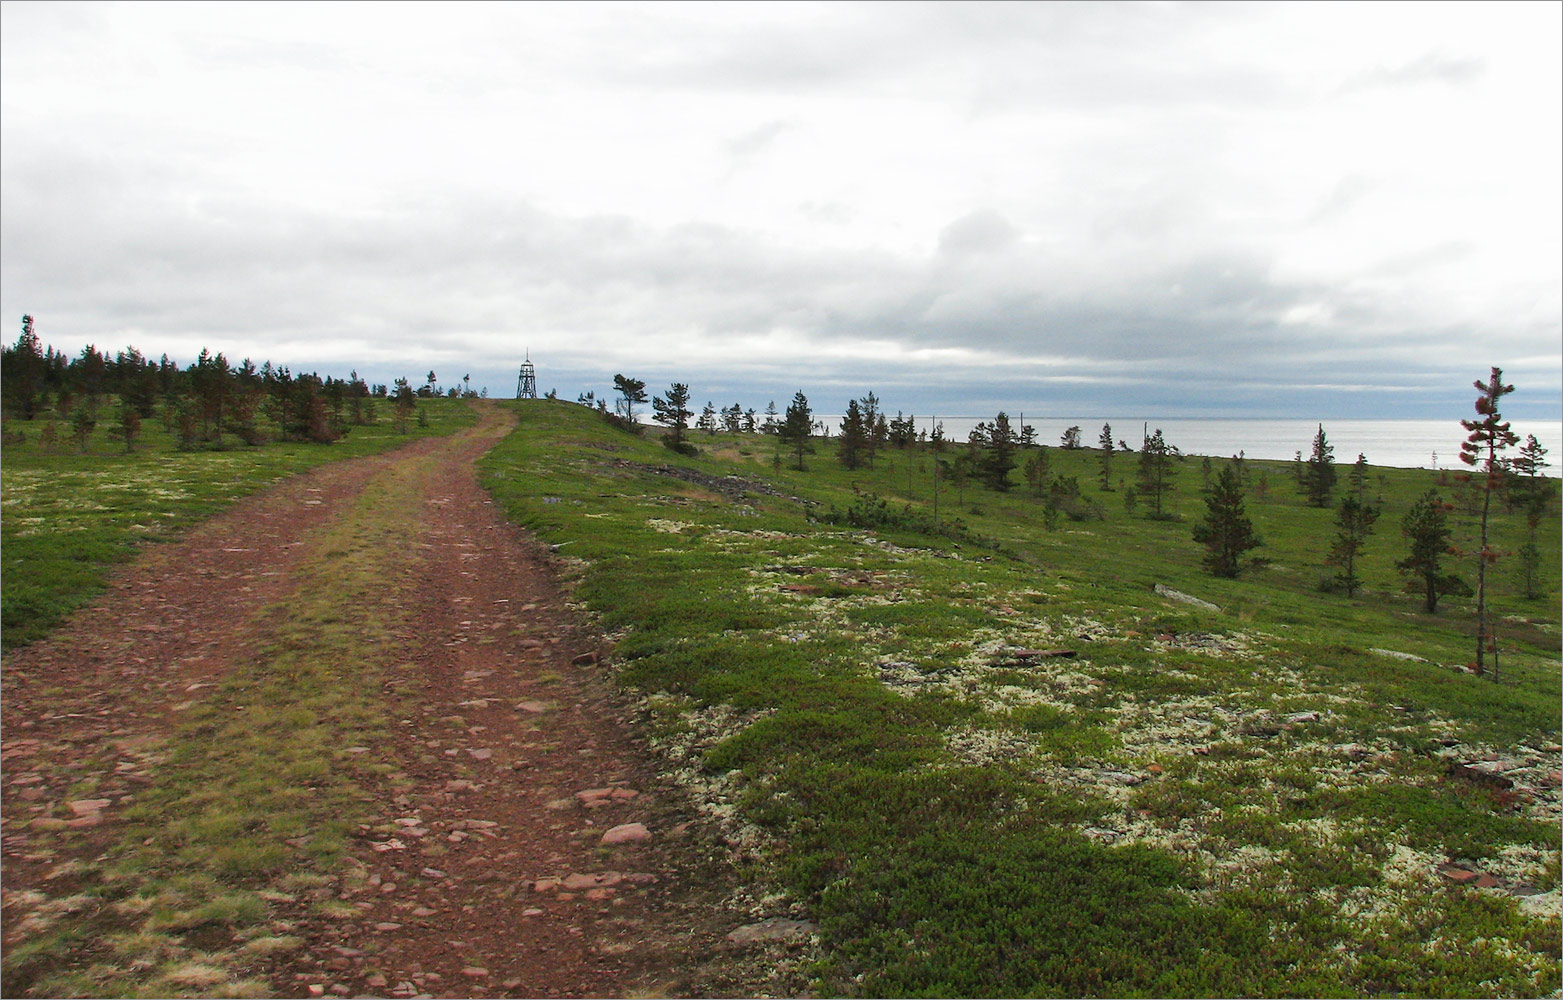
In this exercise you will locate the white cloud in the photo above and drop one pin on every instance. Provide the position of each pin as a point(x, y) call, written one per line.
point(1018, 192)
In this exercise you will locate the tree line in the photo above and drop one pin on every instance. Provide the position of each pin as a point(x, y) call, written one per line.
point(208, 403)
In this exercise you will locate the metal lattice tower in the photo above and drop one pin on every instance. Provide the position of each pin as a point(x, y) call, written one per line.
point(526, 385)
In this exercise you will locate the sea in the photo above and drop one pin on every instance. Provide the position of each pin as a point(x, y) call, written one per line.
point(1406, 444)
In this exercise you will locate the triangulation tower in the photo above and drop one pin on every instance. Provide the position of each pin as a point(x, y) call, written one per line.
point(526, 385)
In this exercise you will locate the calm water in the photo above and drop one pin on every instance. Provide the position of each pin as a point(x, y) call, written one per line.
point(1407, 444)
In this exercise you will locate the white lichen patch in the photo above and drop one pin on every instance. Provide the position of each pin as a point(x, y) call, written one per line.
point(682, 737)
point(668, 527)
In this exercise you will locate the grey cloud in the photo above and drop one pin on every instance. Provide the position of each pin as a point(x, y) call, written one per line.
point(453, 275)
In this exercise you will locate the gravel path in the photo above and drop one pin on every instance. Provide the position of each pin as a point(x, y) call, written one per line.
point(528, 846)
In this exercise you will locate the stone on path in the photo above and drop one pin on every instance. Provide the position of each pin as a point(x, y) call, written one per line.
point(626, 833)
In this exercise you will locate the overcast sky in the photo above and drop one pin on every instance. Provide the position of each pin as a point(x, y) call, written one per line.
point(1312, 210)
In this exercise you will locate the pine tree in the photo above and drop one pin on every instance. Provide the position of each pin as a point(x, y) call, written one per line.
point(630, 390)
point(1534, 494)
point(1154, 481)
point(1318, 475)
point(708, 418)
point(852, 444)
point(1106, 442)
point(1489, 437)
point(672, 409)
point(1426, 527)
point(797, 428)
point(1070, 440)
point(1226, 532)
point(870, 410)
point(1037, 472)
point(1357, 478)
point(1353, 525)
point(22, 372)
point(129, 426)
point(998, 457)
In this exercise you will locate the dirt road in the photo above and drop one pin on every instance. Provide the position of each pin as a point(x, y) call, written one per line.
point(515, 838)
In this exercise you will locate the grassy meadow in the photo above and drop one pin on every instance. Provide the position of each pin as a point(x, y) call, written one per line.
point(69, 512)
point(988, 758)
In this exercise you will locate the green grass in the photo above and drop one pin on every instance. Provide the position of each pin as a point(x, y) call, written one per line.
point(68, 515)
point(1139, 819)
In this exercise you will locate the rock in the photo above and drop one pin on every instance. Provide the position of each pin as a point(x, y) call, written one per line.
point(586, 659)
point(386, 925)
point(473, 972)
point(535, 707)
point(482, 753)
point(1039, 654)
point(624, 794)
point(81, 822)
point(375, 981)
point(1397, 655)
point(433, 873)
point(423, 911)
point(545, 884)
point(593, 794)
point(626, 833)
point(1479, 776)
point(1174, 595)
point(772, 929)
point(1457, 875)
point(86, 807)
point(46, 823)
point(1296, 717)
point(1119, 777)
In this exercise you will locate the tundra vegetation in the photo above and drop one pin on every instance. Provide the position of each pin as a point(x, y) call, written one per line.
point(989, 756)
point(996, 747)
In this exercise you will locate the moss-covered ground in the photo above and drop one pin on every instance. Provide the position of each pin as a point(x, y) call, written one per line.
point(988, 758)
